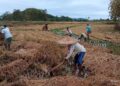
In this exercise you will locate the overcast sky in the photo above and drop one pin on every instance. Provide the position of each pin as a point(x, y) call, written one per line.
point(94, 9)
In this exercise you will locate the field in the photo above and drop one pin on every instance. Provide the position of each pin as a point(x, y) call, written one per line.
point(34, 52)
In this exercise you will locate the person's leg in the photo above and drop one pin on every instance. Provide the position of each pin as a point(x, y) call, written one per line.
point(80, 61)
point(88, 35)
point(80, 69)
point(5, 43)
point(85, 39)
point(76, 65)
point(9, 47)
point(9, 43)
point(76, 70)
point(81, 36)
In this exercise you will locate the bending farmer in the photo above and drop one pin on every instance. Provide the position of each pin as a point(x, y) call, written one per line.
point(73, 45)
point(69, 31)
point(7, 37)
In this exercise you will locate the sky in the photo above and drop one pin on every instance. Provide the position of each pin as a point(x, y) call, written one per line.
point(95, 9)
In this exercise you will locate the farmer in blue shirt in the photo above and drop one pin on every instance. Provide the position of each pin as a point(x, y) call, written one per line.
point(88, 30)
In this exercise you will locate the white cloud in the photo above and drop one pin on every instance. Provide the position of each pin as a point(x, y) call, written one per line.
point(72, 8)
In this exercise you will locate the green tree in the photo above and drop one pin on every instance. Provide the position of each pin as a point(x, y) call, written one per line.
point(115, 12)
point(115, 9)
point(17, 15)
point(7, 16)
point(34, 14)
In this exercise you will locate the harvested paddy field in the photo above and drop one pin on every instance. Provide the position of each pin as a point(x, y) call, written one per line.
point(34, 52)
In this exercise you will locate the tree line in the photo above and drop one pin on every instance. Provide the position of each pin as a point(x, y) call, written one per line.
point(33, 14)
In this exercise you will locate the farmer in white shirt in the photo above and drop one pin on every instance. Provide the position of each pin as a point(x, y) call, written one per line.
point(83, 36)
point(7, 37)
point(73, 45)
point(68, 31)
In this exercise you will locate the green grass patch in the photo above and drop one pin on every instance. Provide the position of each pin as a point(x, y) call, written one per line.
point(115, 48)
point(58, 32)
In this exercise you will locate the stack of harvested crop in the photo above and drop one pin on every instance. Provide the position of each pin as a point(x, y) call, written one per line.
point(13, 69)
point(51, 54)
point(48, 55)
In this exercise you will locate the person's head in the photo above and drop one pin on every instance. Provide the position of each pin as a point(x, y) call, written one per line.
point(46, 24)
point(67, 28)
point(69, 45)
point(88, 24)
point(4, 26)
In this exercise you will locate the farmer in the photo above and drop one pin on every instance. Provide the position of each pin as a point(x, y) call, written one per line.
point(74, 46)
point(83, 36)
point(7, 36)
point(88, 30)
point(68, 31)
point(45, 27)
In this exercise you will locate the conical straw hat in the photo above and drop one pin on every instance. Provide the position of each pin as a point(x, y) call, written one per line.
point(67, 40)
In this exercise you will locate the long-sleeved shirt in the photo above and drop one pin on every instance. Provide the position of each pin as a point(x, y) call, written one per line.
point(75, 47)
point(6, 32)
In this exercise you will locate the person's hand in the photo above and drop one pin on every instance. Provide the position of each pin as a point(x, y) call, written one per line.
point(66, 60)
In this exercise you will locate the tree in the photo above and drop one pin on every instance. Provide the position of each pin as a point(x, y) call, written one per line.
point(17, 15)
point(115, 9)
point(7, 16)
point(33, 14)
point(115, 12)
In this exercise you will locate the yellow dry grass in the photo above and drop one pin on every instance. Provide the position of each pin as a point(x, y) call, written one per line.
point(30, 41)
point(35, 33)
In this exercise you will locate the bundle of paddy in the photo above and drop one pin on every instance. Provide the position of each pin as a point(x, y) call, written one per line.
point(48, 56)
point(32, 60)
point(51, 54)
point(12, 70)
point(22, 59)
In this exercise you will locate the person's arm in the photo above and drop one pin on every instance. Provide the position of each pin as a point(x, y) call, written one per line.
point(86, 29)
point(2, 32)
point(70, 52)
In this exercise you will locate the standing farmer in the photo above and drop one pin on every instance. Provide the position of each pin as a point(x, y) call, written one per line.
point(7, 37)
point(88, 30)
point(74, 46)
